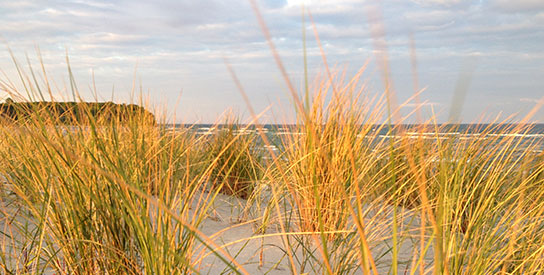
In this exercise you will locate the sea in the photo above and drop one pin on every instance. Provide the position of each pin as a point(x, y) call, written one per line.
point(527, 134)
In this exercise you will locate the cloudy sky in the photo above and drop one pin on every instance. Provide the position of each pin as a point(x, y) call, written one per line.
point(174, 51)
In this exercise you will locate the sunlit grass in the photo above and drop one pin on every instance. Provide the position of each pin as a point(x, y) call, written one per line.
point(235, 158)
point(347, 193)
point(115, 196)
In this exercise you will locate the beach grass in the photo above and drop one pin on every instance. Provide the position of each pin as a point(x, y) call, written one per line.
point(236, 160)
point(345, 191)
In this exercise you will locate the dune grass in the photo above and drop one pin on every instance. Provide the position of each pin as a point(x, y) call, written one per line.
point(346, 193)
point(235, 158)
point(101, 197)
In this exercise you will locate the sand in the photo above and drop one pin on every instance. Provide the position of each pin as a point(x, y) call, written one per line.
point(236, 229)
point(228, 218)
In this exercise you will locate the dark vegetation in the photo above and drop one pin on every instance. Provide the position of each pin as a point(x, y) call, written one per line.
point(74, 112)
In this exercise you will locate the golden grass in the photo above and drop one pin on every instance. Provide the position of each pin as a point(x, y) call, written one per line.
point(118, 197)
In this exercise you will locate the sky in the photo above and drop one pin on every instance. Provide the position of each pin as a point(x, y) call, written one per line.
point(173, 52)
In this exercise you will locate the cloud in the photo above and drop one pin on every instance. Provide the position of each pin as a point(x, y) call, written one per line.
point(119, 39)
point(421, 105)
point(446, 3)
point(531, 100)
point(509, 6)
point(274, 4)
point(180, 44)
